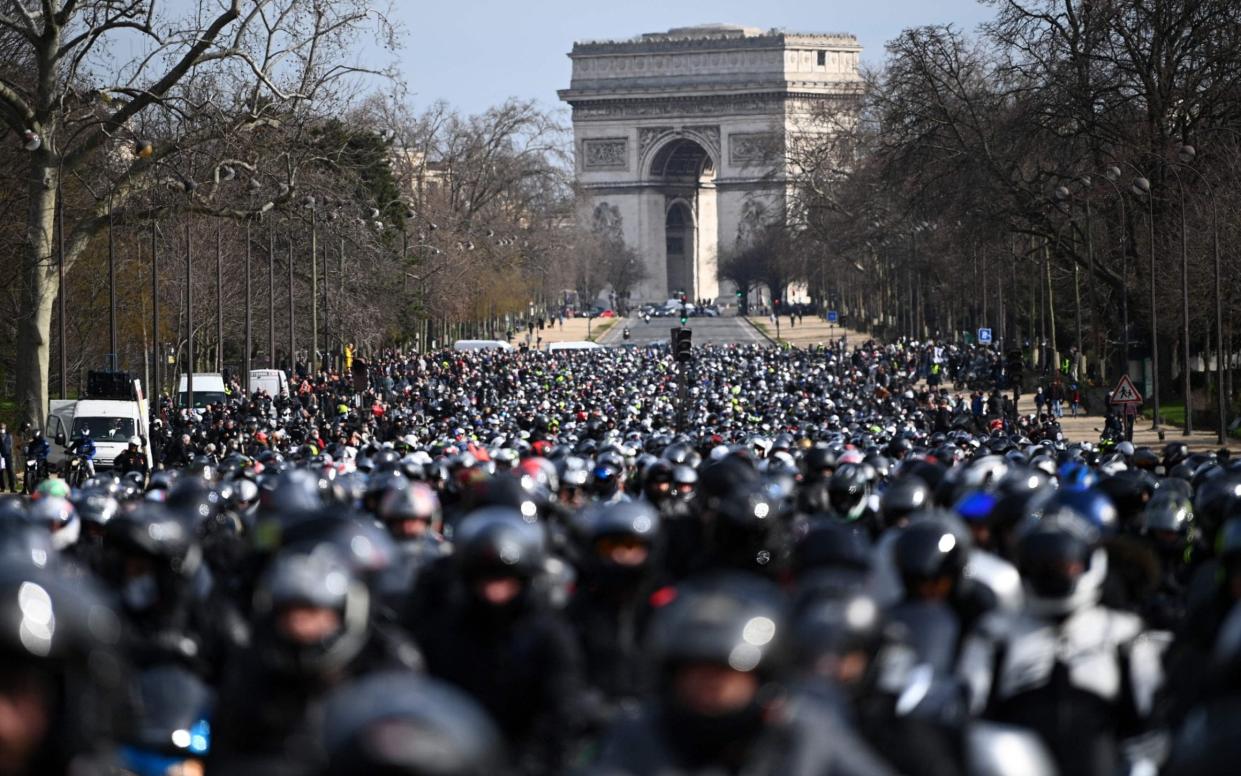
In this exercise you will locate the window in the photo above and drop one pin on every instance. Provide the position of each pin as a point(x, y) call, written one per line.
point(105, 429)
point(822, 59)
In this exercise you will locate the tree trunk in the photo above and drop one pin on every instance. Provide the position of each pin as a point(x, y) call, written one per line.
point(39, 288)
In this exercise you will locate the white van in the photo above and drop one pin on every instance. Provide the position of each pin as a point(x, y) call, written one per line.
point(208, 389)
point(574, 345)
point(274, 381)
point(481, 345)
point(112, 423)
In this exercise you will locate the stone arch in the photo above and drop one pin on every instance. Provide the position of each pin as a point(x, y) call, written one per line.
point(679, 147)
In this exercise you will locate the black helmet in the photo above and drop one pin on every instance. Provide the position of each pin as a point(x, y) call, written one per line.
point(848, 490)
point(818, 463)
point(746, 529)
point(172, 719)
point(831, 625)
point(934, 546)
point(1059, 561)
point(902, 498)
point(395, 723)
point(417, 502)
point(498, 541)
point(95, 509)
point(1174, 453)
point(170, 553)
point(832, 545)
point(61, 635)
point(730, 620)
point(318, 580)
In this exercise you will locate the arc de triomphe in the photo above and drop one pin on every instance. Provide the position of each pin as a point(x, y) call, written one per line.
point(680, 138)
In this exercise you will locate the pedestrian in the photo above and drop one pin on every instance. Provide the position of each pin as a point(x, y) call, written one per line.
point(1075, 399)
point(8, 470)
point(1040, 398)
point(1055, 397)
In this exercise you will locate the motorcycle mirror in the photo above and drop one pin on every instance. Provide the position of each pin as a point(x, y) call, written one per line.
point(60, 439)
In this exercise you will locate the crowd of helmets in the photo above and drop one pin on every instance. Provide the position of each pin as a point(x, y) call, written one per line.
point(517, 563)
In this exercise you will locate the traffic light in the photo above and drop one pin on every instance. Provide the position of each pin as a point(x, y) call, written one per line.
point(684, 298)
point(684, 317)
point(739, 294)
point(684, 346)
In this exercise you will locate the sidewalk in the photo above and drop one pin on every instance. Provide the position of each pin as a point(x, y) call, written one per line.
point(807, 332)
point(1086, 428)
point(575, 330)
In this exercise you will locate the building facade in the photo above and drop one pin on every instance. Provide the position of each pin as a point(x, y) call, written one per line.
point(680, 138)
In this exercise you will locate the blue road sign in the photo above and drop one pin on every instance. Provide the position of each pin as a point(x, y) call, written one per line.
point(984, 336)
point(833, 316)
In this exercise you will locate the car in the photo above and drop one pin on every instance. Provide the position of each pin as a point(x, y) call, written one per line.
point(607, 314)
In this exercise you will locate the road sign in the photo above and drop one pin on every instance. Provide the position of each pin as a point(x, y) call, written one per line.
point(1125, 392)
point(833, 316)
point(984, 336)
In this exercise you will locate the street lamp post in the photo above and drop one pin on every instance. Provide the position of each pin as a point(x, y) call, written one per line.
point(60, 298)
point(112, 339)
point(1112, 175)
point(292, 336)
point(219, 297)
point(271, 293)
point(1142, 188)
point(245, 358)
point(189, 317)
point(158, 356)
point(1189, 402)
point(1186, 153)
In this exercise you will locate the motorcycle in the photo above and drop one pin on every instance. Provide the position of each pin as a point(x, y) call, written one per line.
point(625, 333)
point(35, 473)
point(78, 471)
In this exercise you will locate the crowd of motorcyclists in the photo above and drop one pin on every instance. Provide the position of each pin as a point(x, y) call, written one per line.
point(766, 561)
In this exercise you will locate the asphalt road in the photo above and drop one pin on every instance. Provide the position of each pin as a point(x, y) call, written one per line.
point(707, 331)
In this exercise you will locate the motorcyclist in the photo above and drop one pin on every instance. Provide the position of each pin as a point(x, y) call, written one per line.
point(132, 459)
point(489, 630)
point(312, 633)
point(84, 447)
point(621, 558)
point(1082, 676)
point(37, 450)
point(722, 703)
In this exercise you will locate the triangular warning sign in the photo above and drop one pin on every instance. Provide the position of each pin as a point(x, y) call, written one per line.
point(1125, 392)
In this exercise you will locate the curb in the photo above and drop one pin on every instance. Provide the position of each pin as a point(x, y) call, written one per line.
point(761, 333)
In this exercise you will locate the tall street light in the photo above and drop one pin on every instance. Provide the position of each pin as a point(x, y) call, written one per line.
point(219, 297)
point(189, 317)
point(271, 292)
point(1142, 188)
point(157, 354)
point(1186, 154)
point(1189, 402)
point(309, 204)
point(245, 359)
point(1112, 175)
point(112, 339)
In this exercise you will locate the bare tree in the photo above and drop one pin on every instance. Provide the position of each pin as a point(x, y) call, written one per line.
point(189, 112)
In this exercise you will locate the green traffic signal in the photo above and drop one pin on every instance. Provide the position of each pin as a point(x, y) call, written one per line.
point(684, 320)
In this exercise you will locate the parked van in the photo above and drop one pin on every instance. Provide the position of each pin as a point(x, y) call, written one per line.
point(208, 389)
point(574, 345)
point(274, 381)
point(481, 345)
point(112, 423)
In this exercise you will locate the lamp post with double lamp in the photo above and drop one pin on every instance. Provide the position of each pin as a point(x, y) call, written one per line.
point(1186, 154)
